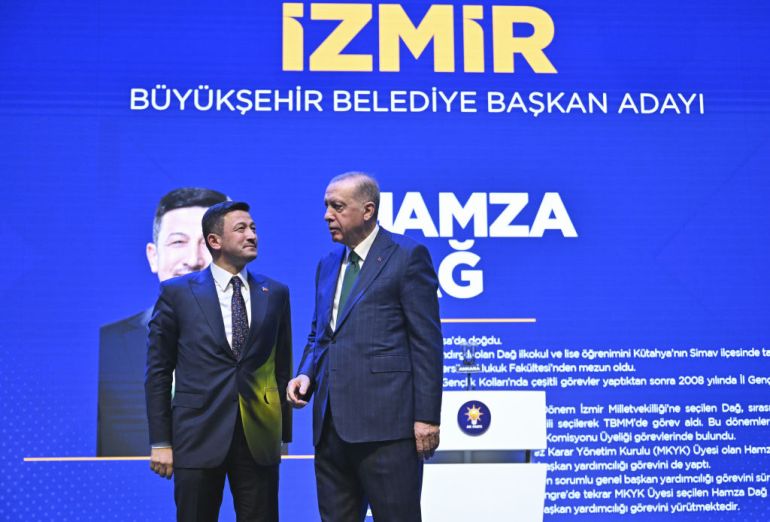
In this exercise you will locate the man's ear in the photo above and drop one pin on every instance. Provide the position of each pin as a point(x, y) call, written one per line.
point(151, 251)
point(214, 241)
point(369, 209)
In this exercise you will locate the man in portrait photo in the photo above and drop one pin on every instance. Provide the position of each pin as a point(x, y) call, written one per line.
point(177, 248)
point(372, 363)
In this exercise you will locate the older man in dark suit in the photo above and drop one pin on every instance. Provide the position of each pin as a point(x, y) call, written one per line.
point(373, 361)
point(227, 333)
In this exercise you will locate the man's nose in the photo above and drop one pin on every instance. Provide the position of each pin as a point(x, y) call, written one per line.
point(197, 256)
point(328, 214)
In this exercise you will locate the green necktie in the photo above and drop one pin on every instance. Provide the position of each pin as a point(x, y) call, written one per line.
point(351, 273)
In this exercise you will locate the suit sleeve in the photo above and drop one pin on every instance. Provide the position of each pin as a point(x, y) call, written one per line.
point(307, 364)
point(419, 300)
point(283, 368)
point(161, 361)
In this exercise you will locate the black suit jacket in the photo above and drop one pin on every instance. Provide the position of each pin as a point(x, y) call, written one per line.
point(382, 367)
point(187, 334)
point(121, 413)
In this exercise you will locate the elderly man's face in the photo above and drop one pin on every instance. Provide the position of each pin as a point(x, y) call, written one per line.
point(349, 219)
point(180, 248)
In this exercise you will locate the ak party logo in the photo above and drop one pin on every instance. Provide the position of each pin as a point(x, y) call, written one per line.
point(474, 418)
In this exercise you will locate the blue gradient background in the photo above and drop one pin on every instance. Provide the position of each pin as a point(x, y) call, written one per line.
point(671, 210)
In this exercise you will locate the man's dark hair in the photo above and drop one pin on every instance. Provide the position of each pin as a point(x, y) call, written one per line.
point(214, 219)
point(182, 198)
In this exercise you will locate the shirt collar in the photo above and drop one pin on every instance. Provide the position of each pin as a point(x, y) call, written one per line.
point(222, 277)
point(362, 250)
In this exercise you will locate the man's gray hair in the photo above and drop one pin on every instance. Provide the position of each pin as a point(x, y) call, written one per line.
point(367, 188)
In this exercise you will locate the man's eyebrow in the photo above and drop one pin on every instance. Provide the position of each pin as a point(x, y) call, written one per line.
point(182, 234)
point(239, 223)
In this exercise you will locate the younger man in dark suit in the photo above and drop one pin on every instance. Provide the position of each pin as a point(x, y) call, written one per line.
point(227, 333)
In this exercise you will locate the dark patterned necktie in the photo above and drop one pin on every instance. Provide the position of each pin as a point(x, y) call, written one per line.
point(240, 319)
point(351, 273)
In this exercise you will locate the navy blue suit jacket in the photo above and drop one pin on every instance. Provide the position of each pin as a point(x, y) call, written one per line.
point(187, 334)
point(122, 415)
point(381, 369)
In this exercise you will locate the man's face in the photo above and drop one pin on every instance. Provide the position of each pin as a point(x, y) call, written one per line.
point(180, 248)
point(238, 242)
point(347, 216)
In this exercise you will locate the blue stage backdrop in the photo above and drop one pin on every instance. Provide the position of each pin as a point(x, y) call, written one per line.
point(590, 178)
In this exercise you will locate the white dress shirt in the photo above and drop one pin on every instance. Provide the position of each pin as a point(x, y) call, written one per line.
point(362, 250)
point(225, 294)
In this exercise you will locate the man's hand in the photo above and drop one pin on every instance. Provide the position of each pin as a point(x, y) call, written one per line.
point(162, 461)
point(427, 438)
point(297, 389)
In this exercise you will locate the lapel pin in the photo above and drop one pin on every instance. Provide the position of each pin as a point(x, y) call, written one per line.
point(379, 259)
point(265, 290)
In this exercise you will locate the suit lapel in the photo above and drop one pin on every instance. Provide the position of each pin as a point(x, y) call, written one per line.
point(259, 294)
point(328, 285)
point(205, 292)
point(378, 255)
